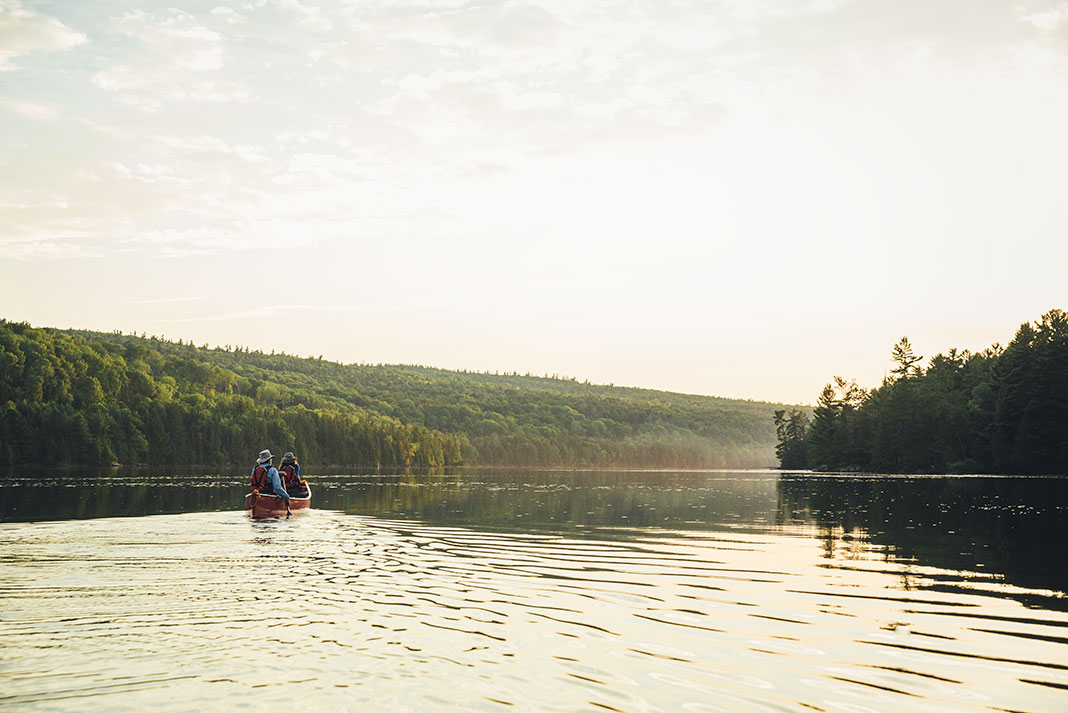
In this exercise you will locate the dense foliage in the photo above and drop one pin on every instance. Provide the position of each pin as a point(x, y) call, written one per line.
point(94, 398)
point(1002, 410)
point(791, 429)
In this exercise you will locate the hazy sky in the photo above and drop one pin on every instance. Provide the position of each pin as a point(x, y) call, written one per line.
point(731, 197)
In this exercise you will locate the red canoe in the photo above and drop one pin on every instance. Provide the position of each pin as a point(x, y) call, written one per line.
point(258, 505)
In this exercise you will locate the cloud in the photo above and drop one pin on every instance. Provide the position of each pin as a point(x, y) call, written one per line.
point(228, 14)
point(178, 35)
point(311, 17)
point(1049, 19)
point(396, 116)
point(177, 59)
point(148, 90)
point(828, 5)
point(201, 240)
point(23, 32)
point(63, 237)
point(30, 110)
point(150, 173)
point(33, 250)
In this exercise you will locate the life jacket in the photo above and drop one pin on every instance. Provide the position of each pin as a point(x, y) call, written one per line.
point(290, 479)
point(260, 481)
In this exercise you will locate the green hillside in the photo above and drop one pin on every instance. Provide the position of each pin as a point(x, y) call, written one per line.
point(97, 398)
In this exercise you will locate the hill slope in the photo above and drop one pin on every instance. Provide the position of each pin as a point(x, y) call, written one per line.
point(91, 397)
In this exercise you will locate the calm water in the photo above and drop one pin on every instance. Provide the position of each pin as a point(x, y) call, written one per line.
point(536, 591)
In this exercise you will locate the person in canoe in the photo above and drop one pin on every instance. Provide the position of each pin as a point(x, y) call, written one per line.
point(265, 479)
point(290, 473)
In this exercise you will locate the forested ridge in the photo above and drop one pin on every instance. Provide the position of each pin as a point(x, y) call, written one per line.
point(78, 397)
point(1001, 410)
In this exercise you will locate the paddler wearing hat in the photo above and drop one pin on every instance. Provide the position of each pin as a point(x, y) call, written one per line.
point(265, 478)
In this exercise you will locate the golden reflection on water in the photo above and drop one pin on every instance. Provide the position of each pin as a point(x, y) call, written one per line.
point(341, 612)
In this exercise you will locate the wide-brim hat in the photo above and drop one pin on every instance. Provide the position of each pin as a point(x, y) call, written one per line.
point(289, 457)
point(264, 456)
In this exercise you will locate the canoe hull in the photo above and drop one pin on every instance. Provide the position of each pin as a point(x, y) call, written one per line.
point(262, 506)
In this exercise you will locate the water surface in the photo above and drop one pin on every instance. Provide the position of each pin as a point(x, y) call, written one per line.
point(535, 591)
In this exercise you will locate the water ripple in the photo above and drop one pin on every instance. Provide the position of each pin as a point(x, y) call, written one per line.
point(213, 612)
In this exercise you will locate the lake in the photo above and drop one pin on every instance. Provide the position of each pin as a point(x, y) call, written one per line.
point(509, 590)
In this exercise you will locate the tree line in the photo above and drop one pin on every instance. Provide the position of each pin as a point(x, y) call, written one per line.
point(68, 400)
point(1001, 410)
point(78, 397)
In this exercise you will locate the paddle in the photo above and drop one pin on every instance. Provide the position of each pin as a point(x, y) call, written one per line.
point(288, 511)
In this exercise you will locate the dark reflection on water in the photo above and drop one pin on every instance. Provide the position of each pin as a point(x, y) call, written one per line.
point(513, 498)
point(1012, 527)
point(563, 500)
point(639, 592)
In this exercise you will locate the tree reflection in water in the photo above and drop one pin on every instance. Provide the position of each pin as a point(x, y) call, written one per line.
point(1009, 529)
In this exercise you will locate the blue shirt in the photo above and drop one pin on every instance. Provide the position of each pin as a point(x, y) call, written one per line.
point(276, 482)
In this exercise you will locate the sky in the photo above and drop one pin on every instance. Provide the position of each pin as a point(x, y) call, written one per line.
point(740, 198)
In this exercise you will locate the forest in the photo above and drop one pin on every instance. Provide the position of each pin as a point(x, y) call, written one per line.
point(1001, 410)
point(93, 398)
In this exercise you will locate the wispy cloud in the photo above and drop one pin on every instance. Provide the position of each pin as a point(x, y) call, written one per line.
point(649, 157)
point(309, 17)
point(175, 57)
point(277, 123)
point(23, 32)
point(1049, 18)
point(67, 245)
point(30, 110)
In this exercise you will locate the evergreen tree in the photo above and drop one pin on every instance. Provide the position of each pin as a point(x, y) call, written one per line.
point(791, 429)
point(998, 411)
point(823, 433)
point(905, 359)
